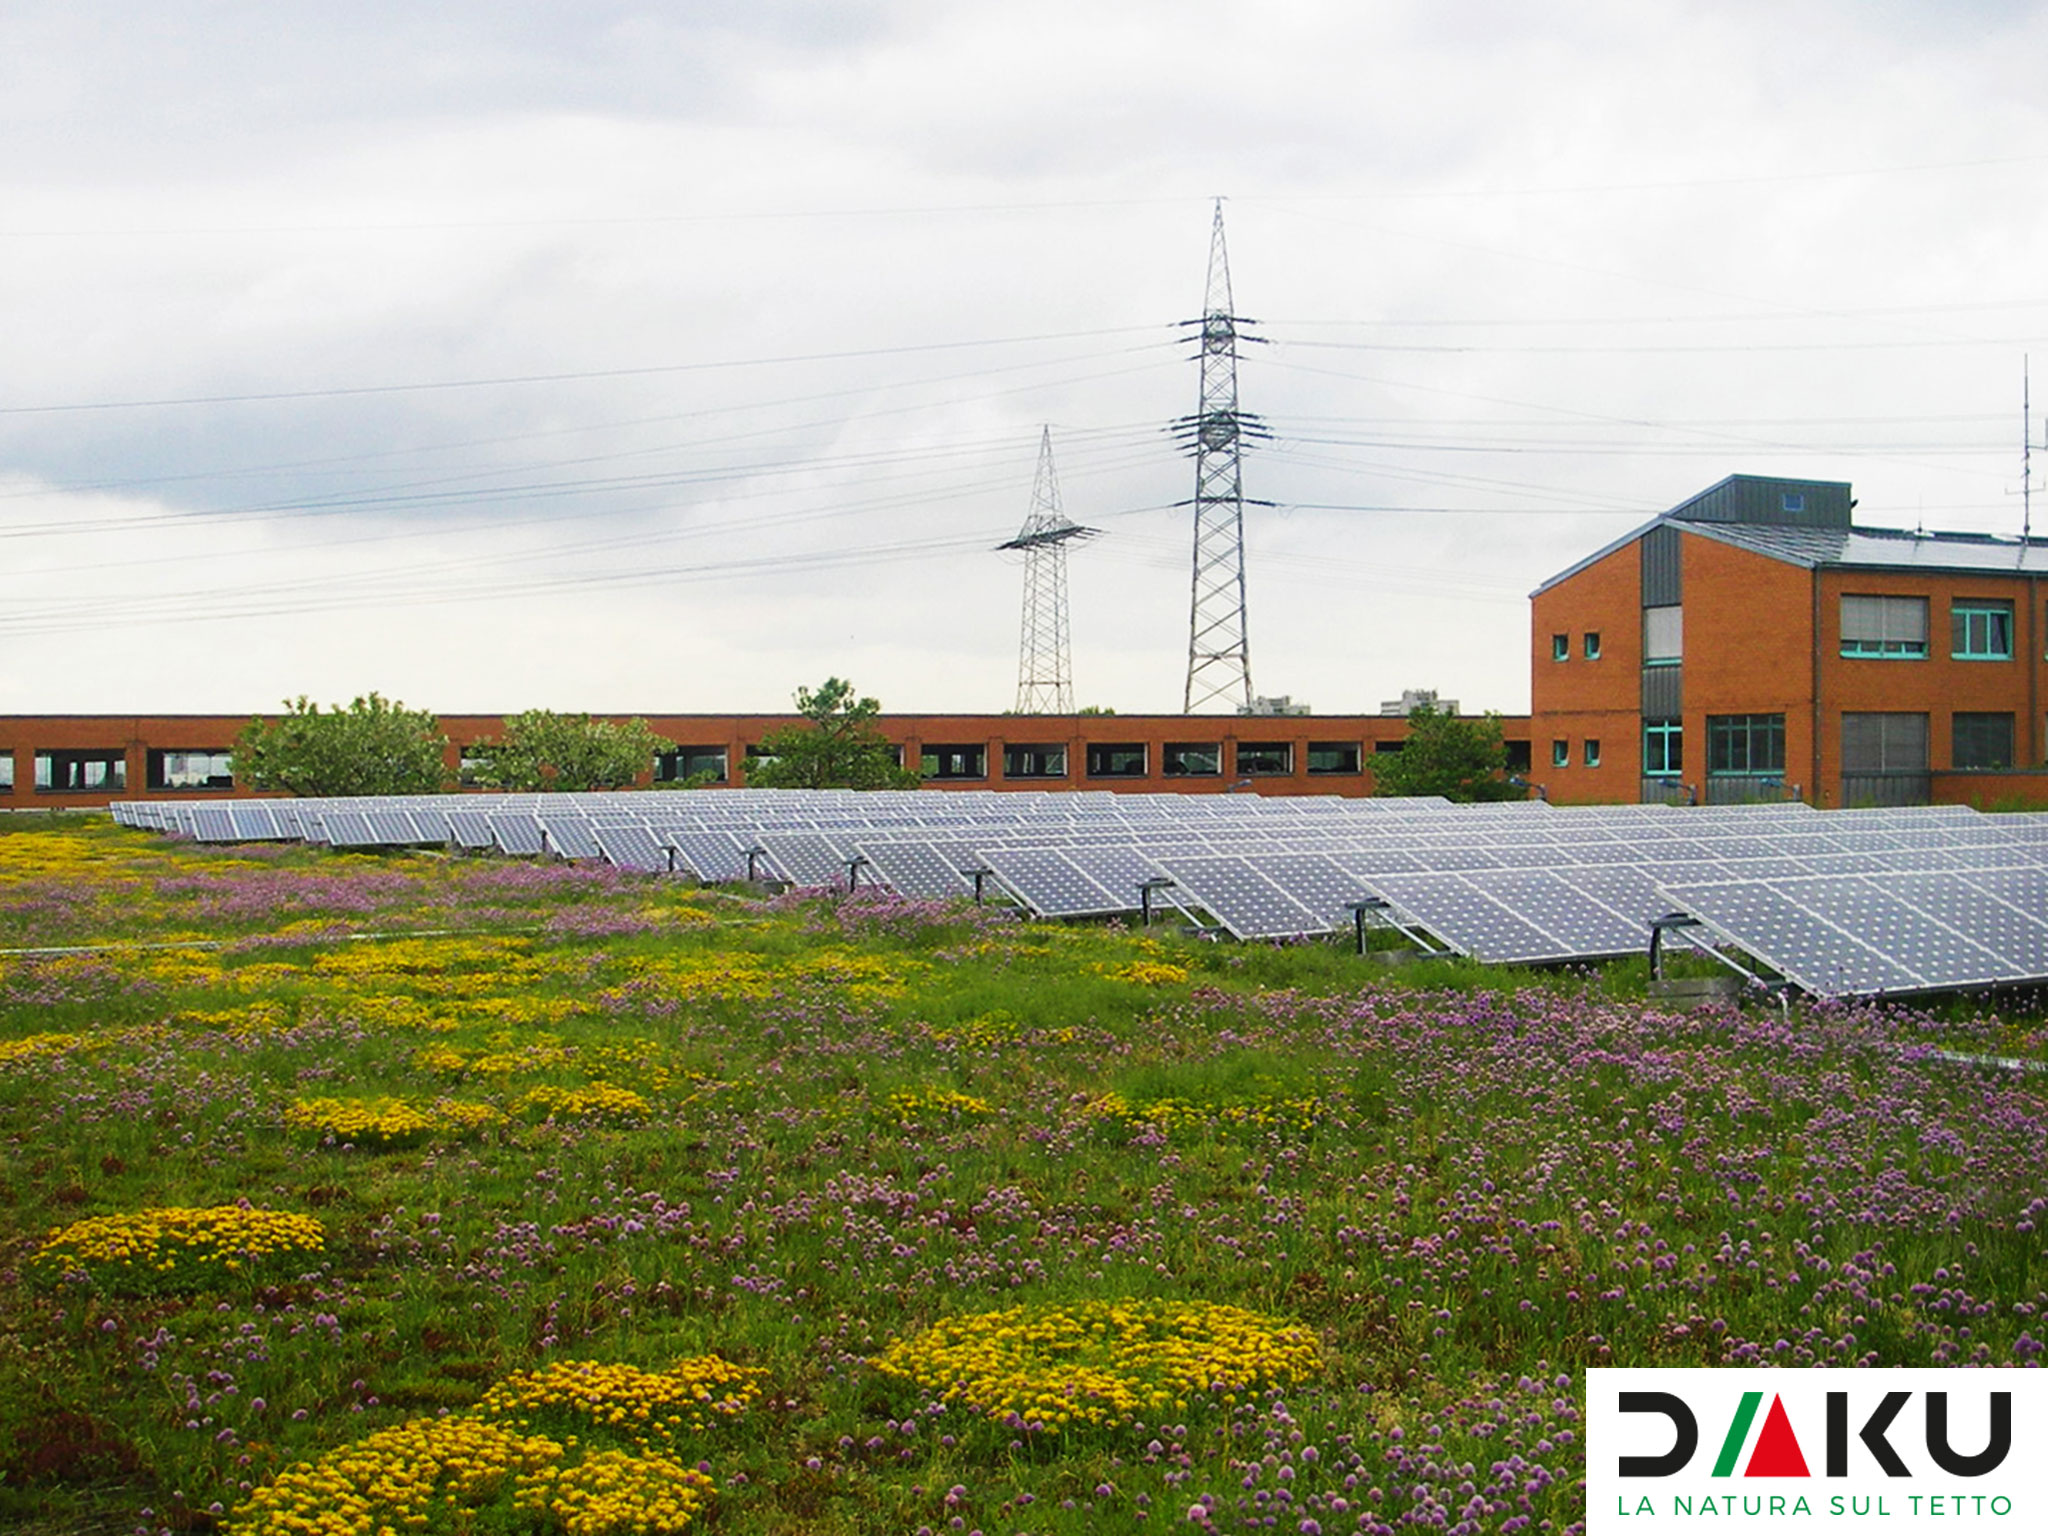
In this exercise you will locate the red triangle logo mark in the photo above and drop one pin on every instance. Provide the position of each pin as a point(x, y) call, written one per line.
point(1777, 1452)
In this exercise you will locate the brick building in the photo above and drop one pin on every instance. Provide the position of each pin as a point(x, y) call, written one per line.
point(87, 760)
point(1753, 642)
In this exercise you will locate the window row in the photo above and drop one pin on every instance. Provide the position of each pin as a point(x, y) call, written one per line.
point(1102, 760)
point(1561, 646)
point(1872, 742)
point(1561, 752)
point(1979, 629)
point(103, 770)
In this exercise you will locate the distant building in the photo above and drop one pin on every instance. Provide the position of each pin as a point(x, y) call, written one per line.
point(1282, 705)
point(1413, 699)
point(1753, 643)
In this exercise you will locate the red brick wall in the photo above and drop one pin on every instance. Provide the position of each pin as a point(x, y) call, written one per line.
point(1576, 700)
point(24, 736)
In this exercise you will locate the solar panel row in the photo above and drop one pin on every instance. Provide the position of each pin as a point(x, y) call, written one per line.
point(1822, 897)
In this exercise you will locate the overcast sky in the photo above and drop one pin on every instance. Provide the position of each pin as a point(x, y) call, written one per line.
point(664, 358)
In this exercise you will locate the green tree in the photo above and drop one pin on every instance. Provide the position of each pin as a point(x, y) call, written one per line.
point(1448, 755)
point(372, 746)
point(541, 750)
point(837, 747)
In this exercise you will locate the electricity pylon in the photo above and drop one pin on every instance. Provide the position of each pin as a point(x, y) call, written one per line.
point(1045, 668)
point(1219, 656)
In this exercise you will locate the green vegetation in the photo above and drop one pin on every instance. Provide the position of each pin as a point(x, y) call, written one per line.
point(1460, 759)
point(585, 1201)
point(837, 747)
point(541, 750)
point(372, 746)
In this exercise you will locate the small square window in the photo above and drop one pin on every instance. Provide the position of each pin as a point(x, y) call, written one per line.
point(1592, 752)
point(1592, 645)
point(1560, 647)
point(1793, 501)
point(1560, 753)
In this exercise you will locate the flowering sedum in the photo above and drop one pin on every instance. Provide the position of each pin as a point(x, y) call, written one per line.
point(618, 1491)
point(908, 1107)
point(388, 1121)
point(177, 1247)
point(592, 1101)
point(443, 1474)
point(624, 1397)
point(1100, 1362)
point(1146, 973)
point(1297, 1113)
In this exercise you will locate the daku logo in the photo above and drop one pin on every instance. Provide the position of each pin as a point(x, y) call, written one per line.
point(1778, 1451)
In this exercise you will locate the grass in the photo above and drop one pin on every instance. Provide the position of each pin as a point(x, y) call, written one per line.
point(645, 1126)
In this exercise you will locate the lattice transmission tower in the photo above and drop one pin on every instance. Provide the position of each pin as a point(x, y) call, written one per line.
point(1045, 667)
point(1219, 656)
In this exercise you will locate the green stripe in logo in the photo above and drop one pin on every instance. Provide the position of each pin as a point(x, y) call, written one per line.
point(1737, 1433)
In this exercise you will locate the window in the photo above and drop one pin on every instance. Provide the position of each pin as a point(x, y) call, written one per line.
point(1265, 757)
point(1334, 757)
point(1560, 647)
point(71, 773)
point(1884, 626)
point(1884, 743)
point(1387, 748)
point(1591, 753)
point(762, 759)
point(1746, 744)
point(1560, 753)
point(966, 761)
point(6, 770)
point(1181, 759)
point(1663, 748)
point(475, 762)
point(1048, 761)
point(1592, 646)
point(1663, 636)
point(1981, 740)
point(190, 770)
point(1517, 755)
point(1116, 760)
point(1793, 501)
point(1980, 630)
point(690, 763)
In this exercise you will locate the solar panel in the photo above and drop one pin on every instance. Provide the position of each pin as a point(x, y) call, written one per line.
point(214, 824)
point(634, 847)
point(1052, 885)
point(1317, 881)
point(517, 834)
point(348, 829)
point(806, 858)
point(916, 868)
point(1243, 900)
point(254, 822)
point(470, 829)
point(1801, 945)
point(1586, 926)
point(1468, 920)
point(570, 837)
point(713, 857)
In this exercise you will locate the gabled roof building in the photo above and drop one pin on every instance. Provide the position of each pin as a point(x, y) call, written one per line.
point(1753, 642)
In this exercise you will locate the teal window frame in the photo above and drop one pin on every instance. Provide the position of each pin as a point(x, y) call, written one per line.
point(1560, 752)
point(1590, 753)
point(1560, 647)
point(1592, 646)
point(1980, 629)
point(1888, 643)
point(1663, 749)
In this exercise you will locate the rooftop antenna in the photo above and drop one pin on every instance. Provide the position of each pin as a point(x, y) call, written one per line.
point(1045, 668)
point(1219, 657)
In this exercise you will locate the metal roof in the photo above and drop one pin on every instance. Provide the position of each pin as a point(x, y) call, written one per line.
point(1871, 549)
